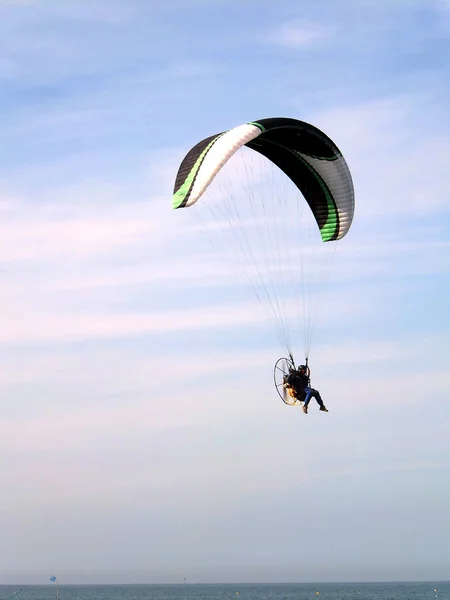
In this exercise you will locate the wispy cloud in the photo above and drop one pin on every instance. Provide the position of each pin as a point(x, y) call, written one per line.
point(300, 34)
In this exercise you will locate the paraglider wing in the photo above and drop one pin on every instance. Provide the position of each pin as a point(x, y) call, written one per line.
point(304, 153)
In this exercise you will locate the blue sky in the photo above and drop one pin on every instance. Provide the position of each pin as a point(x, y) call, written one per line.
point(141, 438)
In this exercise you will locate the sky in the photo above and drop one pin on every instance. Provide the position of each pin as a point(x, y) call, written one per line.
point(141, 437)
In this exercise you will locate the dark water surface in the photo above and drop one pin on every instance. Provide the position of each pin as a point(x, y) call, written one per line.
point(320, 591)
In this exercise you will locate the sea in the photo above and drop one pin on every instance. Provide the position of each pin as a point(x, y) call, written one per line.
point(311, 591)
